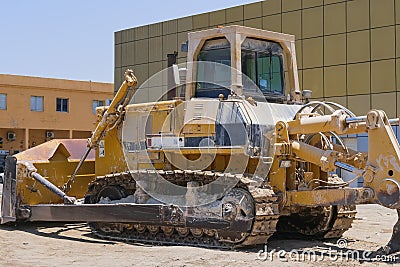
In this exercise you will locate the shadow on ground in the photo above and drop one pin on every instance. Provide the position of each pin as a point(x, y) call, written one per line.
point(278, 249)
point(57, 230)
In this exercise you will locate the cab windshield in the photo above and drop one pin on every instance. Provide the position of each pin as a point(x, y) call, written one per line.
point(262, 62)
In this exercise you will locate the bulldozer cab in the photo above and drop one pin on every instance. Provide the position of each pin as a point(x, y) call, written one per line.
point(247, 62)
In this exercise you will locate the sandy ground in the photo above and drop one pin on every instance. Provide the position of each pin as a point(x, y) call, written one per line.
point(56, 244)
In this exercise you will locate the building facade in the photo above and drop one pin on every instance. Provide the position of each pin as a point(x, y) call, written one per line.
point(34, 110)
point(347, 51)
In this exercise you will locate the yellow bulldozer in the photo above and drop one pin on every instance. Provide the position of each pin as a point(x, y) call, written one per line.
point(234, 153)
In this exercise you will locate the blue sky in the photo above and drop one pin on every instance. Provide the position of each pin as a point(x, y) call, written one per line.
point(74, 39)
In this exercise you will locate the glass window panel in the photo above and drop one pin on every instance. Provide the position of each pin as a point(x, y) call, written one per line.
point(62, 104)
point(213, 69)
point(94, 106)
point(37, 103)
point(97, 103)
point(262, 63)
point(269, 73)
point(214, 75)
point(3, 101)
point(249, 68)
point(58, 107)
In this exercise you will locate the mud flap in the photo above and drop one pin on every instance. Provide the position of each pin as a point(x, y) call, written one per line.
point(8, 200)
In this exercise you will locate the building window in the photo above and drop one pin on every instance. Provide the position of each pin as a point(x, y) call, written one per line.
point(108, 102)
point(3, 101)
point(62, 105)
point(97, 103)
point(36, 103)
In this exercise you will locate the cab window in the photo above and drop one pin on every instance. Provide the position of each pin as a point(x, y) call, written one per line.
point(213, 69)
point(262, 62)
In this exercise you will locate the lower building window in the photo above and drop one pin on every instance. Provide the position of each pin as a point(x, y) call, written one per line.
point(62, 105)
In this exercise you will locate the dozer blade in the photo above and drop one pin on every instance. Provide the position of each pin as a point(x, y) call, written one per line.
point(152, 214)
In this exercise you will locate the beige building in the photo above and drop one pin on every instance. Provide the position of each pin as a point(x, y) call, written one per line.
point(347, 51)
point(34, 110)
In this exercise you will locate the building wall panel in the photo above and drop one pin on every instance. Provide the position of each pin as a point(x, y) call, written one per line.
point(346, 50)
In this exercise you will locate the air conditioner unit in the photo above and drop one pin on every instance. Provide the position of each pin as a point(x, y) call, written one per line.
point(49, 134)
point(11, 136)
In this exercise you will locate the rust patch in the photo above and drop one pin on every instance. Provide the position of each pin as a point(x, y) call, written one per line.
point(72, 149)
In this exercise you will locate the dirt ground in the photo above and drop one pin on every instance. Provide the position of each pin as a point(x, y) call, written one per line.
point(56, 244)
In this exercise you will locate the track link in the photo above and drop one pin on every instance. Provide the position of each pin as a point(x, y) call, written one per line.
point(343, 221)
point(319, 222)
point(266, 212)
